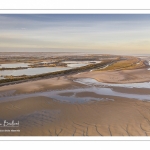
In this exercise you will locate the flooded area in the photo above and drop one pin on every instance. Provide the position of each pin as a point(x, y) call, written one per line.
point(14, 65)
point(2, 78)
point(40, 70)
point(76, 95)
point(90, 81)
point(75, 64)
point(80, 62)
point(32, 71)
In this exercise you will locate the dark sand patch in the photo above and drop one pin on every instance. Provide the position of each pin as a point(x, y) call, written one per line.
point(94, 95)
point(141, 91)
point(88, 94)
point(67, 94)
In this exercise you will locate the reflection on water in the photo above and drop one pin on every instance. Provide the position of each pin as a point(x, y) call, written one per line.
point(32, 71)
point(90, 81)
point(80, 62)
point(2, 78)
point(58, 95)
point(39, 70)
point(14, 65)
point(75, 64)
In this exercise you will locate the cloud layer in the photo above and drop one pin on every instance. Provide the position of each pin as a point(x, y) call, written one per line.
point(84, 33)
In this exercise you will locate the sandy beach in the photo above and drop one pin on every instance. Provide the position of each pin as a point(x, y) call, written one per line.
point(102, 115)
point(120, 76)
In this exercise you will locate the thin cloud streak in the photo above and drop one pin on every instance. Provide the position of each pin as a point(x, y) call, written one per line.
point(112, 33)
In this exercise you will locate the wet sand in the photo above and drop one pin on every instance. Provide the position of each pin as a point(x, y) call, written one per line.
point(141, 91)
point(122, 76)
point(43, 116)
point(40, 85)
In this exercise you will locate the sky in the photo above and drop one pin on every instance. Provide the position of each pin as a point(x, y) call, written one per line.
point(91, 33)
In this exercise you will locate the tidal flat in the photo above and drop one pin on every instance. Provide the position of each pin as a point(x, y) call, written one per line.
point(103, 100)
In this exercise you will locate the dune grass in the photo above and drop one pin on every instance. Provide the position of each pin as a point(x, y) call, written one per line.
point(130, 63)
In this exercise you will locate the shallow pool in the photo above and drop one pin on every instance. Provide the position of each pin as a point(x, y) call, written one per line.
point(61, 95)
point(90, 81)
point(14, 65)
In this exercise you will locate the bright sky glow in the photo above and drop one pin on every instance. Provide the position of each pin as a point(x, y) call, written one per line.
point(102, 33)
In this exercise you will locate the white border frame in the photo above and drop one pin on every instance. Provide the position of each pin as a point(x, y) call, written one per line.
point(74, 11)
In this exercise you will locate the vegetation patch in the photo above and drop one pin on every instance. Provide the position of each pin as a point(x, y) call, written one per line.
point(130, 63)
